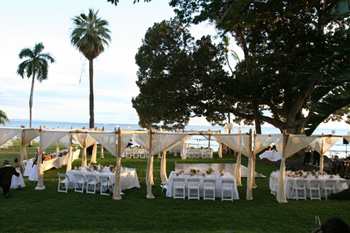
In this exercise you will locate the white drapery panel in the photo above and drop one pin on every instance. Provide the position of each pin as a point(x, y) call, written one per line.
point(107, 140)
point(262, 141)
point(183, 153)
point(84, 140)
point(322, 144)
point(8, 133)
point(24, 137)
point(47, 139)
point(65, 141)
point(293, 144)
point(241, 143)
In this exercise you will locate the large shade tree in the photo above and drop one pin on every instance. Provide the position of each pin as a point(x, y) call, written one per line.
point(90, 35)
point(279, 39)
point(35, 66)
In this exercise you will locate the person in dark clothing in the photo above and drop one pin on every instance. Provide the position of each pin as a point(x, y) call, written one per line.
point(307, 154)
point(317, 157)
point(333, 225)
point(6, 173)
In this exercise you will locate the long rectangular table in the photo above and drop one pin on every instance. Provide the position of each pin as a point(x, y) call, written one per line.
point(290, 181)
point(57, 163)
point(216, 176)
point(128, 178)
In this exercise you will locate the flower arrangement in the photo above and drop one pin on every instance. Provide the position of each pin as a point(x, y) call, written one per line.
point(193, 171)
point(95, 167)
point(314, 172)
point(299, 173)
point(112, 168)
point(210, 171)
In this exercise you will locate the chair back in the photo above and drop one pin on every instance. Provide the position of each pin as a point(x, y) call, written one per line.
point(314, 184)
point(300, 184)
point(79, 178)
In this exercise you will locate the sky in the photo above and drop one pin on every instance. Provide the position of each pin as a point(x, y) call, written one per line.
point(65, 95)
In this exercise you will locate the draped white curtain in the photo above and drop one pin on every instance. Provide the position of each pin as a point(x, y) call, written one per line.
point(241, 143)
point(8, 133)
point(160, 141)
point(322, 144)
point(287, 145)
point(84, 140)
point(24, 137)
point(47, 139)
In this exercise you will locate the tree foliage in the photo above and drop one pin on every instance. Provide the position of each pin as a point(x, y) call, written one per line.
point(3, 118)
point(280, 41)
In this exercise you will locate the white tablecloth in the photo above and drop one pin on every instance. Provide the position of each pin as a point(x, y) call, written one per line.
point(215, 176)
point(270, 155)
point(290, 181)
point(128, 178)
point(58, 162)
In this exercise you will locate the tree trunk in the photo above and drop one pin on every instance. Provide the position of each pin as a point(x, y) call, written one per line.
point(31, 105)
point(91, 74)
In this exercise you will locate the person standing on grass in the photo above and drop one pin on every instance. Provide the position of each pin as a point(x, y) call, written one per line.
point(307, 154)
point(6, 173)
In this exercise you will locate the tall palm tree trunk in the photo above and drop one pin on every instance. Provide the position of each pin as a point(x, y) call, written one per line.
point(31, 105)
point(91, 74)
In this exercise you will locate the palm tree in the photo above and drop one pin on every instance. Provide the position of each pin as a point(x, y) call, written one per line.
point(3, 118)
point(89, 35)
point(36, 66)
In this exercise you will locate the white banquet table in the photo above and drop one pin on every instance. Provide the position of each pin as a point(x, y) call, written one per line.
point(290, 181)
point(58, 162)
point(216, 176)
point(270, 155)
point(128, 178)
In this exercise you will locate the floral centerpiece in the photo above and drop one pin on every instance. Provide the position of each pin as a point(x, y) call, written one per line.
point(112, 168)
point(210, 171)
point(299, 173)
point(95, 167)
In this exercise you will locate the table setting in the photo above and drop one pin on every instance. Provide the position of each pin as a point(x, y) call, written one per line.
point(218, 176)
point(128, 176)
point(292, 176)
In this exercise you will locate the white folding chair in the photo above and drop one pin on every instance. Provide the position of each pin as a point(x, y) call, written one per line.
point(314, 187)
point(198, 153)
point(106, 185)
point(142, 153)
point(164, 184)
point(63, 183)
point(179, 184)
point(91, 184)
point(80, 182)
point(193, 184)
point(209, 186)
point(190, 153)
point(227, 187)
point(135, 153)
point(147, 154)
point(209, 154)
point(204, 154)
point(329, 186)
point(128, 153)
point(342, 185)
point(299, 185)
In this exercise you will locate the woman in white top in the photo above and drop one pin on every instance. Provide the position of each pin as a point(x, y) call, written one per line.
point(17, 181)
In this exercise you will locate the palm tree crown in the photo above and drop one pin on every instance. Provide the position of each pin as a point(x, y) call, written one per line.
point(3, 118)
point(89, 35)
point(36, 66)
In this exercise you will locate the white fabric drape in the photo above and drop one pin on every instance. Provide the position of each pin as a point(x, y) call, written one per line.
point(287, 145)
point(163, 166)
point(160, 141)
point(24, 137)
point(94, 153)
point(47, 139)
point(123, 140)
point(8, 133)
point(322, 144)
point(241, 143)
point(84, 140)
point(107, 140)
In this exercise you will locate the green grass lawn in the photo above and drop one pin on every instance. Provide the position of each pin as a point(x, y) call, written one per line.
point(29, 210)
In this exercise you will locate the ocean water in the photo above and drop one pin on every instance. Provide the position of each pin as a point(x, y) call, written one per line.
point(338, 149)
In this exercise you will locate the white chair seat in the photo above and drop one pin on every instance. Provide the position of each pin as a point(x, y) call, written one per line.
point(193, 184)
point(91, 184)
point(314, 188)
point(209, 186)
point(63, 183)
point(106, 185)
point(80, 182)
point(227, 186)
point(299, 187)
point(329, 187)
point(179, 184)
